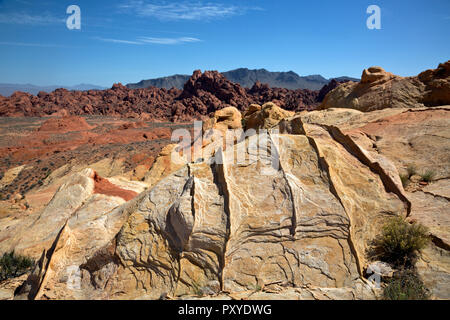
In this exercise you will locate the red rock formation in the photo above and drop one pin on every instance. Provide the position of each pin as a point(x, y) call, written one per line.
point(292, 100)
point(65, 124)
point(43, 145)
point(202, 94)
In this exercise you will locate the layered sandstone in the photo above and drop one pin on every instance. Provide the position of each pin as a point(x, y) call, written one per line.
point(300, 229)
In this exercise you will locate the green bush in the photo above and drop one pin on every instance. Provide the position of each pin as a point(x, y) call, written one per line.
point(428, 175)
point(411, 169)
point(405, 286)
point(400, 241)
point(13, 265)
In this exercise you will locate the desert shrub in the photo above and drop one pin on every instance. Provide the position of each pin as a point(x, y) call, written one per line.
point(405, 286)
point(428, 175)
point(405, 180)
point(13, 265)
point(400, 241)
point(411, 170)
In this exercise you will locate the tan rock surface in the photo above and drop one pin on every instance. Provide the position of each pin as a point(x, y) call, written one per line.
point(434, 269)
point(410, 137)
point(360, 291)
point(168, 161)
point(223, 119)
point(376, 75)
point(10, 175)
point(268, 116)
point(440, 188)
point(8, 287)
point(379, 89)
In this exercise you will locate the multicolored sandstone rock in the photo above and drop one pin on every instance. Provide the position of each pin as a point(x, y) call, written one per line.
point(298, 228)
point(219, 228)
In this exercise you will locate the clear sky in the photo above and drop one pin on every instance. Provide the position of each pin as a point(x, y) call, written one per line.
point(130, 40)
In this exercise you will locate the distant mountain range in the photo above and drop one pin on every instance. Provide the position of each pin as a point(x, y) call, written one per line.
point(246, 78)
point(6, 89)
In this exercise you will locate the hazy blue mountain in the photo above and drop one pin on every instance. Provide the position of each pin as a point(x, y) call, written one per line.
point(6, 89)
point(246, 78)
point(288, 80)
point(176, 81)
point(346, 79)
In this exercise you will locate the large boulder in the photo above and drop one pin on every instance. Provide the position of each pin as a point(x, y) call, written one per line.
point(224, 119)
point(375, 75)
point(265, 117)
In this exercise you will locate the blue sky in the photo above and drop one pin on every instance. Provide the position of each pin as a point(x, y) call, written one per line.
point(129, 40)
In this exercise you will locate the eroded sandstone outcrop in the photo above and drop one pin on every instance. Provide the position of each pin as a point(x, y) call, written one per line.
point(221, 227)
point(379, 89)
point(288, 213)
point(417, 138)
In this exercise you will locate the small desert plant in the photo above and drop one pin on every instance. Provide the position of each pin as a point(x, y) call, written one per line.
point(400, 241)
point(428, 175)
point(13, 265)
point(405, 180)
point(411, 170)
point(405, 286)
point(256, 287)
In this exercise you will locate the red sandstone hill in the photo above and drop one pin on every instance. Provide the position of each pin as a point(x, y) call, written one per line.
point(202, 94)
point(65, 124)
